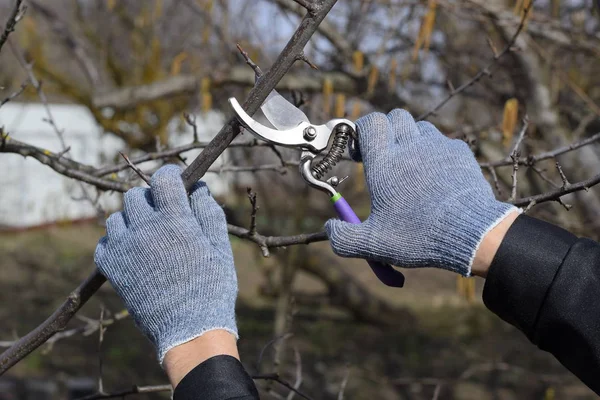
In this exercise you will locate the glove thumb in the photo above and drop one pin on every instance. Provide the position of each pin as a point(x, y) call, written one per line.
point(347, 240)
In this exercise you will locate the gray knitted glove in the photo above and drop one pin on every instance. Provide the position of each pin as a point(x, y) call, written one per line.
point(170, 260)
point(430, 204)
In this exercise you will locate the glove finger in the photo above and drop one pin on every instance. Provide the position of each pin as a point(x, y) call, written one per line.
point(209, 214)
point(427, 129)
point(115, 225)
point(99, 253)
point(373, 136)
point(168, 191)
point(137, 205)
point(403, 125)
point(346, 238)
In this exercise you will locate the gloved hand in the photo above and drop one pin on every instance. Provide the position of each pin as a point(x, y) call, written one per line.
point(169, 258)
point(430, 204)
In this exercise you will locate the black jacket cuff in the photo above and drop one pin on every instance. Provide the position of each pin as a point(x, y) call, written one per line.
point(220, 377)
point(523, 270)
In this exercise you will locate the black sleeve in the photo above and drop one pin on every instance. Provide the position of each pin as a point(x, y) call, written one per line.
point(219, 377)
point(546, 282)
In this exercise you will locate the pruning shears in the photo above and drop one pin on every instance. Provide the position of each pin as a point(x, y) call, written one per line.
point(293, 129)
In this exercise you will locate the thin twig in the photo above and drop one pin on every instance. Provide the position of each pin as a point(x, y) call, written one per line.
point(257, 71)
point(276, 378)
point(485, 71)
point(562, 203)
point(344, 383)
point(308, 4)
point(62, 165)
point(173, 152)
point(436, 393)
point(298, 381)
point(252, 198)
point(563, 177)
point(15, 16)
point(101, 331)
point(520, 136)
point(557, 194)
point(515, 157)
point(15, 94)
point(530, 160)
point(492, 46)
point(495, 180)
point(191, 121)
point(41, 94)
point(302, 57)
point(541, 174)
point(531, 204)
point(133, 390)
point(138, 171)
point(269, 344)
point(91, 326)
point(70, 40)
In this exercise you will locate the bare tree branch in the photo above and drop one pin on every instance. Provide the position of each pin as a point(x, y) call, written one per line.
point(495, 180)
point(138, 171)
point(485, 71)
point(531, 160)
point(101, 331)
point(61, 29)
point(38, 87)
point(55, 323)
point(514, 156)
point(557, 194)
point(563, 177)
point(266, 242)
point(276, 378)
point(15, 16)
point(308, 4)
point(134, 390)
point(62, 165)
point(191, 121)
point(257, 71)
point(130, 96)
point(14, 94)
point(252, 198)
point(169, 153)
point(299, 377)
point(344, 383)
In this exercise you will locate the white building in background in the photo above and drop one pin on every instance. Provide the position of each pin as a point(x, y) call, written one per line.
point(33, 194)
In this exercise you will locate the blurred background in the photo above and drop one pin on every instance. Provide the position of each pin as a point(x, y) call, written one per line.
point(82, 80)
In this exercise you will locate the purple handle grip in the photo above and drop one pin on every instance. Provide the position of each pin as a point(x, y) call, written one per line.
point(385, 272)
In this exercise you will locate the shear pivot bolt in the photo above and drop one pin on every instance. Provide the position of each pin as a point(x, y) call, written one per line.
point(310, 133)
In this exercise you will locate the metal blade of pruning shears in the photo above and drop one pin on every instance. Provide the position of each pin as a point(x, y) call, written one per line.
point(282, 114)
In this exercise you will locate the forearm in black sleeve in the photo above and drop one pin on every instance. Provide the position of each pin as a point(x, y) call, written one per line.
point(546, 282)
point(218, 378)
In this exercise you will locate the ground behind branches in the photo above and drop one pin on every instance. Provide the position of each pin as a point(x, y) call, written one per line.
point(451, 339)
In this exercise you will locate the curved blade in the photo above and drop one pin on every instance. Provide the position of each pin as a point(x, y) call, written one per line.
point(282, 114)
point(293, 137)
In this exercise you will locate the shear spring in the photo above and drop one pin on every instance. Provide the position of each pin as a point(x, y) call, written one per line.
point(335, 153)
